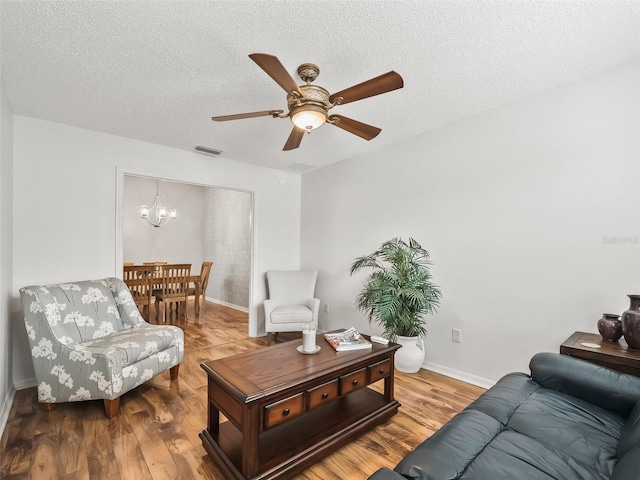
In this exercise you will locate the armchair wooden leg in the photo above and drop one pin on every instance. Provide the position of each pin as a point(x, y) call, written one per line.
point(269, 338)
point(47, 407)
point(173, 372)
point(111, 407)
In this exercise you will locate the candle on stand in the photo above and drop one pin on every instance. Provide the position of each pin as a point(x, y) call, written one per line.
point(309, 340)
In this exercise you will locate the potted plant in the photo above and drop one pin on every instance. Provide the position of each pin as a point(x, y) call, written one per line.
point(397, 294)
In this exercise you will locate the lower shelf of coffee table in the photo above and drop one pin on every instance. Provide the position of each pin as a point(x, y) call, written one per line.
point(298, 443)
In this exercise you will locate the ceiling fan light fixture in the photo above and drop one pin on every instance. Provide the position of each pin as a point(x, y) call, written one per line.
point(308, 117)
point(309, 105)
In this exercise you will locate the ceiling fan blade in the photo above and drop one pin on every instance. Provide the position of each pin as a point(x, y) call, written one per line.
point(294, 139)
point(239, 116)
point(382, 84)
point(272, 66)
point(353, 126)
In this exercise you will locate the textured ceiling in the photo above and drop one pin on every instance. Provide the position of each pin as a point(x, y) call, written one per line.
point(158, 70)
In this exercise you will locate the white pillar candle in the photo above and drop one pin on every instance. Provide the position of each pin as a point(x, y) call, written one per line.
point(309, 340)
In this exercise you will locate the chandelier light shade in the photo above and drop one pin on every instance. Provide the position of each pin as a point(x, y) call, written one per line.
point(158, 214)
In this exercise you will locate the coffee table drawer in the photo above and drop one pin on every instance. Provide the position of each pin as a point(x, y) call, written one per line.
point(379, 370)
point(323, 394)
point(276, 413)
point(353, 381)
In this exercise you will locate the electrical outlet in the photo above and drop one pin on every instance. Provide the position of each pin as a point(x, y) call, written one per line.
point(456, 335)
point(326, 308)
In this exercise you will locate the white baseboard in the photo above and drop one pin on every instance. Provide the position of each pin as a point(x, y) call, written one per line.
point(6, 408)
point(27, 383)
point(225, 304)
point(459, 375)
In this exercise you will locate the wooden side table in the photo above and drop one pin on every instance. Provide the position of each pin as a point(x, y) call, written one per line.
point(615, 355)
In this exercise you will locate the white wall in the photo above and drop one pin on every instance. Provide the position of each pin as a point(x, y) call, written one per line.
point(531, 214)
point(178, 241)
point(6, 253)
point(65, 204)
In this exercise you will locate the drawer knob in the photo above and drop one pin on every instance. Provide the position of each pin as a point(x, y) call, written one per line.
point(325, 395)
point(355, 382)
point(286, 412)
point(381, 370)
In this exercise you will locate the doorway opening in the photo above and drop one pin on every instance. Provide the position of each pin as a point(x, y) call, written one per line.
point(212, 224)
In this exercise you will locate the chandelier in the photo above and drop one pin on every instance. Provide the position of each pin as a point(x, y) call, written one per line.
point(158, 214)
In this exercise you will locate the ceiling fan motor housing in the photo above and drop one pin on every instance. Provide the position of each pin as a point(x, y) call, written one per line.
point(312, 94)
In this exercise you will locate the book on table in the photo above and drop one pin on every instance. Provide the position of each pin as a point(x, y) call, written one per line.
point(349, 339)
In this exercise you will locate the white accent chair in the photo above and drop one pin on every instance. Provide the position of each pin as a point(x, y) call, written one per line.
point(291, 306)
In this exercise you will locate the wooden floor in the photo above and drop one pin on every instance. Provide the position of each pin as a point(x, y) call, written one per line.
point(155, 435)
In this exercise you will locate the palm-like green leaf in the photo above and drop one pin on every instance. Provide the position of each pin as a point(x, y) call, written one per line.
point(399, 291)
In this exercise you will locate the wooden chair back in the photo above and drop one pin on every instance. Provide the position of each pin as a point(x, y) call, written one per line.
point(175, 282)
point(138, 278)
point(173, 289)
point(205, 270)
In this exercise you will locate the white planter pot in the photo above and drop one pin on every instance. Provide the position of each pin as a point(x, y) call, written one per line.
point(410, 357)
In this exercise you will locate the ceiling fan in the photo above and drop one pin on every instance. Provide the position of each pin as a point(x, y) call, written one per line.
point(309, 105)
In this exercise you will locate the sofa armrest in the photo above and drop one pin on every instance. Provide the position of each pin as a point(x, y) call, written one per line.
point(606, 388)
point(386, 474)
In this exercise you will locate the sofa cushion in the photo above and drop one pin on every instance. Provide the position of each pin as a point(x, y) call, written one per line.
point(449, 451)
point(505, 397)
point(630, 436)
point(627, 467)
point(583, 435)
point(513, 456)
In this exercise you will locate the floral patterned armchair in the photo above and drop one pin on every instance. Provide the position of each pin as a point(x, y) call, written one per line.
point(88, 341)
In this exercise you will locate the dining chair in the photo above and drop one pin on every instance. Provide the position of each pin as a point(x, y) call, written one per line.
point(138, 279)
point(199, 288)
point(174, 289)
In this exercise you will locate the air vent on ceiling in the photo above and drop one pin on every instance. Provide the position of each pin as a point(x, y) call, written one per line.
point(299, 167)
point(208, 151)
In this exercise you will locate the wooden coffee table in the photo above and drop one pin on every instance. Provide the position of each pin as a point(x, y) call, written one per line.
point(615, 355)
point(287, 410)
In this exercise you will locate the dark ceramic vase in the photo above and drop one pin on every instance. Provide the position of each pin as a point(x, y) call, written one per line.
point(631, 322)
point(610, 327)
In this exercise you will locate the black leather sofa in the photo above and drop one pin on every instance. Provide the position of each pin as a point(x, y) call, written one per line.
point(569, 419)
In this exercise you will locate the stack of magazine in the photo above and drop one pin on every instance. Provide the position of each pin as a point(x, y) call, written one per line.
point(350, 339)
